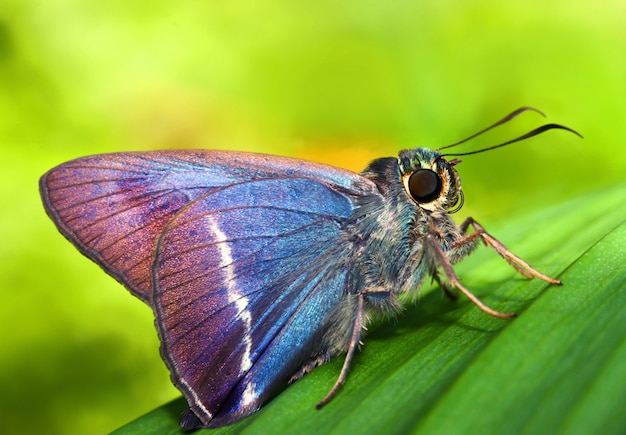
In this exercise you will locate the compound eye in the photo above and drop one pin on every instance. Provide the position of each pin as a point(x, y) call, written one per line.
point(424, 185)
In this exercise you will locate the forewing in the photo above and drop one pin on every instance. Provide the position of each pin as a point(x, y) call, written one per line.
point(113, 207)
point(245, 278)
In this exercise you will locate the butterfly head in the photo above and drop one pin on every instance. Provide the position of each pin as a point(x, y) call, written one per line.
point(430, 180)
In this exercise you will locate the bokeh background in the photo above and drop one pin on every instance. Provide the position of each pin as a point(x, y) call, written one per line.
point(340, 82)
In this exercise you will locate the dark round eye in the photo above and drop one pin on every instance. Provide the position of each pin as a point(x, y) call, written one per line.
point(424, 185)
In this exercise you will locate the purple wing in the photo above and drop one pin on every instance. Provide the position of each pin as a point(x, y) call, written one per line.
point(113, 207)
point(245, 279)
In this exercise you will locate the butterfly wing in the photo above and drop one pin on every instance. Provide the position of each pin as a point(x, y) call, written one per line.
point(245, 279)
point(248, 260)
point(113, 207)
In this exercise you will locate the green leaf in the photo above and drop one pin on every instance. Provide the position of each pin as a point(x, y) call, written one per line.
point(445, 367)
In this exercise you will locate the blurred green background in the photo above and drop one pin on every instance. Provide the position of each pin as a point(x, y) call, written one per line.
point(340, 82)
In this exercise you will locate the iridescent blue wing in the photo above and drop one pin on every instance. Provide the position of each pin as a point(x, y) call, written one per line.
point(249, 261)
point(113, 207)
point(245, 279)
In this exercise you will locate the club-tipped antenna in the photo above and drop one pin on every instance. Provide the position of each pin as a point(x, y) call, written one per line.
point(528, 135)
point(504, 120)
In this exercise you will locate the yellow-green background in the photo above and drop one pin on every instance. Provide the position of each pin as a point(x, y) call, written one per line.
point(339, 82)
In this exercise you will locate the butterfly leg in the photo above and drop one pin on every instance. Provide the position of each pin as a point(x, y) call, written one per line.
point(355, 338)
point(306, 368)
point(443, 285)
point(520, 265)
point(440, 258)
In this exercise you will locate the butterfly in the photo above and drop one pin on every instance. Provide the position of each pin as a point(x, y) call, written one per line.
point(259, 268)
